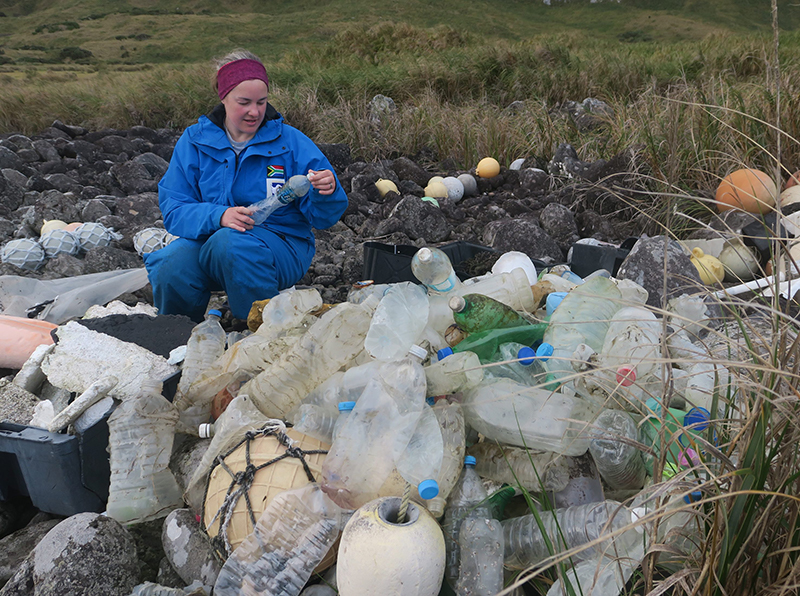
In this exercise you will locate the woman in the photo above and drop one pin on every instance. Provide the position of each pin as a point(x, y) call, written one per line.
point(234, 157)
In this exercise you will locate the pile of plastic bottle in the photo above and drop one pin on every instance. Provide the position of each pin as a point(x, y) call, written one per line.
point(476, 428)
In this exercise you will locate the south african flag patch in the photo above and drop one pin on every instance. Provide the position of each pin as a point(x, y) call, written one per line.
point(275, 171)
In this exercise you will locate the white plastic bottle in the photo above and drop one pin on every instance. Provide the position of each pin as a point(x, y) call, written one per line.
point(295, 188)
point(451, 425)
point(619, 462)
point(398, 322)
point(292, 536)
point(433, 268)
point(141, 431)
point(206, 343)
point(568, 528)
point(330, 343)
point(468, 499)
point(516, 414)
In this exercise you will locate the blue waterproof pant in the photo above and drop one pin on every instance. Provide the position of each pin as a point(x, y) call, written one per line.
point(248, 266)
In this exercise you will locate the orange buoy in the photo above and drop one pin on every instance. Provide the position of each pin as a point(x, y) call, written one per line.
point(750, 190)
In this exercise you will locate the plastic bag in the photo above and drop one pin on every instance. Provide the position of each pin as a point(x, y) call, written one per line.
point(59, 300)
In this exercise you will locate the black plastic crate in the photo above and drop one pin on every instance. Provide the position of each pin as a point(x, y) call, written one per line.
point(391, 263)
point(587, 259)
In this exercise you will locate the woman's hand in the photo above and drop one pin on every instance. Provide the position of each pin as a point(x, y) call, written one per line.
point(323, 181)
point(237, 218)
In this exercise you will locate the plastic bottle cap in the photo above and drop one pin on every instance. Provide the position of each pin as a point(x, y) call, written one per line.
point(428, 489)
point(346, 406)
point(553, 300)
point(692, 497)
point(215, 312)
point(444, 353)
point(418, 351)
point(469, 460)
point(526, 356)
point(544, 351)
point(430, 401)
point(626, 375)
point(699, 416)
point(205, 430)
point(457, 303)
point(425, 254)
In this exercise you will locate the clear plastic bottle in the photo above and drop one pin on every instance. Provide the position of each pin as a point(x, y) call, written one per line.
point(480, 544)
point(292, 536)
point(487, 343)
point(521, 363)
point(398, 322)
point(295, 188)
point(536, 471)
point(375, 434)
point(315, 421)
point(422, 458)
point(451, 424)
point(206, 343)
point(345, 409)
point(453, 373)
point(511, 288)
point(141, 431)
point(516, 414)
point(565, 529)
point(331, 342)
point(581, 318)
point(239, 417)
point(468, 499)
point(476, 312)
point(363, 289)
point(619, 462)
point(433, 268)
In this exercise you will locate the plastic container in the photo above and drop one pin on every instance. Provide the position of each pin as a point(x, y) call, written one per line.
point(480, 544)
point(398, 322)
point(141, 431)
point(476, 312)
point(422, 459)
point(536, 471)
point(468, 499)
point(433, 268)
point(619, 461)
point(290, 539)
point(525, 543)
point(375, 434)
point(345, 409)
point(586, 256)
point(295, 188)
point(451, 425)
point(530, 417)
point(331, 342)
point(486, 344)
point(453, 373)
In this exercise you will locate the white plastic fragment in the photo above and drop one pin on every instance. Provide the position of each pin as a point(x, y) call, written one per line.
point(30, 377)
point(43, 414)
point(82, 356)
point(91, 396)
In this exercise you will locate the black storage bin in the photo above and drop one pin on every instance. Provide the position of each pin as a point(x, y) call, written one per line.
point(587, 259)
point(391, 263)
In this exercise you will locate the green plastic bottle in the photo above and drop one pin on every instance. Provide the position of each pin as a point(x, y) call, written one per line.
point(487, 343)
point(476, 312)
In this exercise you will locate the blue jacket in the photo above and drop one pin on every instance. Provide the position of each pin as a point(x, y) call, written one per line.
point(205, 177)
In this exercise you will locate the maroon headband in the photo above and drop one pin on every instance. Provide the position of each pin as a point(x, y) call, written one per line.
point(233, 73)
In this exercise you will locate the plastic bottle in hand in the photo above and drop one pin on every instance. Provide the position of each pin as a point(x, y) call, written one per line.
point(141, 431)
point(295, 187)
point(206, 343)
point(433, 268)
point(468, 499)
point(525, 543)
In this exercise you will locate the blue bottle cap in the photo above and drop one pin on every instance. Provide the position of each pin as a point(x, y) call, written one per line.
point(553, 300)
point(216, 312)
point(430, 401)
point(428, 489)
point(346, 406)
point(699, 416)
point(544, 351)
point(526, 356)
point(470, 460)
point(692, 497)
point(444, 353)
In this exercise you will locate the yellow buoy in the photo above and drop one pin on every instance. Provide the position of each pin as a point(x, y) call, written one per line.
point(488, 167)
point(52, 224)
point(437, 190)
point(385, 186)
point(710, 268)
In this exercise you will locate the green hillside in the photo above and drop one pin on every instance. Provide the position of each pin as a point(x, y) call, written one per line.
point(138, 32)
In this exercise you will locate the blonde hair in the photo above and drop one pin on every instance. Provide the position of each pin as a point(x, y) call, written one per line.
point(232, 56)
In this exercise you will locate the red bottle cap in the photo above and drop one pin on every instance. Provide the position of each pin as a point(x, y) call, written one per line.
point(626, 376)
